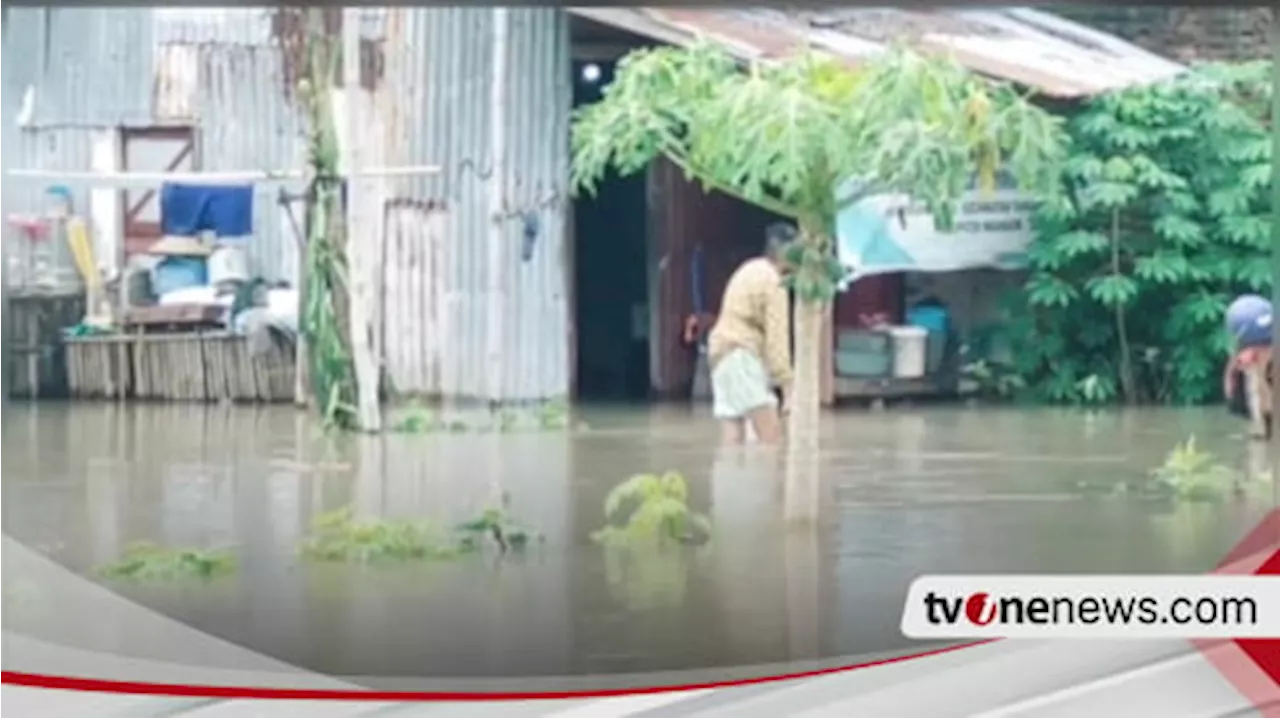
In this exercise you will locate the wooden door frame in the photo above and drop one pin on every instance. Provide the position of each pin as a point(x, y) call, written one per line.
point(132, 230)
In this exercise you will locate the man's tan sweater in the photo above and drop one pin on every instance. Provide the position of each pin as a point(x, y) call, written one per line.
point(755, 315)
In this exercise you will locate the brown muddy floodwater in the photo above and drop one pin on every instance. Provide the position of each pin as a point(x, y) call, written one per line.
point(905, 492)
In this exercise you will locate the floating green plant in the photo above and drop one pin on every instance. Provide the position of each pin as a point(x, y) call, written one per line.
point(415, 418)
point(554, 414)
point(1191, 474)
point(340, 536)
point(495, 524)
point(149, 562)
point(652, 508)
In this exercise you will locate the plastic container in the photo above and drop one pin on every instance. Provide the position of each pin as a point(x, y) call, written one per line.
point(937, 321)
point(863, 353)
point(228, 264)
point(909, 345)
point(173, 273)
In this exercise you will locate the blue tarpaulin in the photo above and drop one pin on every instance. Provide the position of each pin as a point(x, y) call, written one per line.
point(189, 209)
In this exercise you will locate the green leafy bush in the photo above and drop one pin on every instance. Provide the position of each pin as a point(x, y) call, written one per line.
point(1161, 218)
point(653, 509)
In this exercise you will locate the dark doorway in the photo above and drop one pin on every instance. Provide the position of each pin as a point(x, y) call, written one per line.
point(611, 275)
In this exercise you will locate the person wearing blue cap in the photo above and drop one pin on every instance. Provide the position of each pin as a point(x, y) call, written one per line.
point(1246, 382)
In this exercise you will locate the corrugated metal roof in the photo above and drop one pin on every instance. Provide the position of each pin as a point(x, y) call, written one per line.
point(1058, 57)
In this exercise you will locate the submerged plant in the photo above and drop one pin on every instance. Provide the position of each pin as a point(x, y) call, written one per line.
point(495, 523)
point(647, 580)
point(417, 419)
point(340, 536)
point(1191, 474)
point(552, 415)
point(149, 562)
point(652, 508)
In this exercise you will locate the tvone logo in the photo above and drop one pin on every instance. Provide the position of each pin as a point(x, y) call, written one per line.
point(980, 609)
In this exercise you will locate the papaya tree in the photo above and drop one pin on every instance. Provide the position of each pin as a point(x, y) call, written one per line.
point(806, 136)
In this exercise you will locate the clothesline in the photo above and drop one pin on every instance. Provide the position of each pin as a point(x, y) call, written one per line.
point(226, 177)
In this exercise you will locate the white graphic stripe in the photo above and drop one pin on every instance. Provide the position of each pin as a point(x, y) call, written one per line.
point(628, 705)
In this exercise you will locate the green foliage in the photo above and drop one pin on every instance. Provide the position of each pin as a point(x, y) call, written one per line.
point(788, 134)
point(1193, 475)
point(496, 524)
point(148, 562)
point(652, 509)
point(339, 536)
point(552, 415)
point(1161, 217)
point(322, 324)
point(647, 580)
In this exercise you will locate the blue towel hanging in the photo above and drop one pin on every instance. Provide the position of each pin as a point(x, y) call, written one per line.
point(189, 209)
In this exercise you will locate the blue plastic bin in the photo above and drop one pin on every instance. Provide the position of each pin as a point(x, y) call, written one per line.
point(173, 273)
point(937, 321)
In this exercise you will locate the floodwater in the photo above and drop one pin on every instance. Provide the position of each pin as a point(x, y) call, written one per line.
point(904, 492)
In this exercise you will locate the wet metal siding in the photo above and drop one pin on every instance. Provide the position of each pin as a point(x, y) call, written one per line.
point(449, 112)
point(94, 70)
point(244, 119)
point(93, 65)
point(88, 67)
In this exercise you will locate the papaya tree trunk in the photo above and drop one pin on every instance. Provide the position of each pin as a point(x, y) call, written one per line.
point(801, 486)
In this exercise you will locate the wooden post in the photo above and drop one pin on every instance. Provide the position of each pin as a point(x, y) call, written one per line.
point(497, 294)
point(366, 208)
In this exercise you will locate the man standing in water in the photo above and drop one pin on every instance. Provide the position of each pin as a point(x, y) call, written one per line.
point(749, 348)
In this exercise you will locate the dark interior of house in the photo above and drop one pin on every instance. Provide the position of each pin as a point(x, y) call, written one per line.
point(611, 276)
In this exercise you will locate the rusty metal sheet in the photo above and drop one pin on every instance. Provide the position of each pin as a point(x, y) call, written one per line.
point(742, 33)
point(1051, 54)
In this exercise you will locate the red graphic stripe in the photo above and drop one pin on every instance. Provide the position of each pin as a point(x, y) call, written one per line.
point(35, 680)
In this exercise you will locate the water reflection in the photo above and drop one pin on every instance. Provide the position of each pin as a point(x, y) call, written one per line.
point(902, 493)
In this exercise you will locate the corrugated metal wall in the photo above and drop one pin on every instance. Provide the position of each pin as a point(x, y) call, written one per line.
point(81, 66)
point(93, 69)
point(449, 76)
point(101, 74)
point(245, 120)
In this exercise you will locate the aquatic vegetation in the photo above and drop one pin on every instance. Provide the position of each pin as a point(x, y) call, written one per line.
point(149, 562)
point(553, 415)
point(416, 419)
point(1191, 474)
point(339, 536)
point(495, 523)
point(652, 508)
point(647, 580)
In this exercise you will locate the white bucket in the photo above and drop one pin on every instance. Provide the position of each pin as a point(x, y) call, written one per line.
point(228, 264)
point(909, 351)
